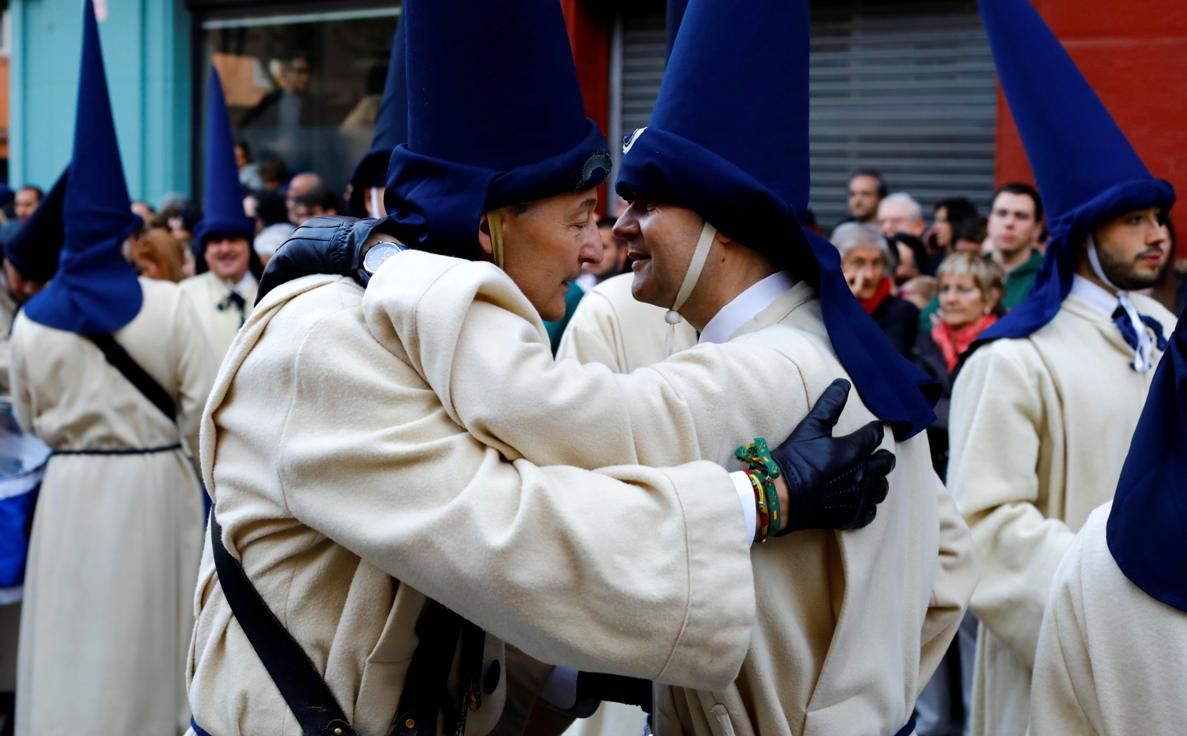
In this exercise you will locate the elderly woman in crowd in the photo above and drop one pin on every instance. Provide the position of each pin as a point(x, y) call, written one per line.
point(865, 260)
point(970, 292)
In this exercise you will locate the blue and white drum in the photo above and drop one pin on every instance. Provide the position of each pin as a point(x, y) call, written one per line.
point(22, 464)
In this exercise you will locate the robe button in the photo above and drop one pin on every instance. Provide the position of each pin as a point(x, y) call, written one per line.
point(491, 681)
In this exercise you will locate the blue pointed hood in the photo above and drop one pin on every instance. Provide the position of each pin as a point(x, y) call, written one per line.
point(675, 14)
point(391, 128)
point(37, 246)
point(222, 194)
point(494, 118)
point(1148, 523)
point(1085, 168)
point(96, 290)
point(729, 140)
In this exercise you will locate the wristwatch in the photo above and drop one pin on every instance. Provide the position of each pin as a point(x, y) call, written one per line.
point(377, 256)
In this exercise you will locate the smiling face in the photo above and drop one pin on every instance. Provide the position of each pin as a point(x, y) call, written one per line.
point(1134, 249)
point(545, 245)
point(227, 257)
point(660, 242)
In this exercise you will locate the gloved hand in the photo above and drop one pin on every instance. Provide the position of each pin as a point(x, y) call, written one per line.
point(834, 482)
point(326, 245)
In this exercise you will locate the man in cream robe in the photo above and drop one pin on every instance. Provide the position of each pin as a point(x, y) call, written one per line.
point(118, 529)
point(1036, 426)
point(902, 596)
point(223, 297)
point(1110, 657)
point(1040, 414)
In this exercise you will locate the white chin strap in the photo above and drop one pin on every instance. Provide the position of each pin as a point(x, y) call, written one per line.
point(376, 203)
point(693, 274)
point(1143, 355)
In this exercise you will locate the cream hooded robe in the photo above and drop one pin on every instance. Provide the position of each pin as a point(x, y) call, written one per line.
point(1039, 429)
point(615, 329)
point(219, 318)
point(116, 538)
point(850, 624)
point(350, 495)
point(1111, 660)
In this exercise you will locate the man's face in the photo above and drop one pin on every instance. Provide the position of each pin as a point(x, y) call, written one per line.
point(613, 254)
point(1134, 249)
point(227, 256)
point(25, 203)
point(660, 241)
point(864, 267)
point(897, 217)
point(298, 75)
point(546, 246)
point(1012, 223)
point(863, 198)
point(21, 288)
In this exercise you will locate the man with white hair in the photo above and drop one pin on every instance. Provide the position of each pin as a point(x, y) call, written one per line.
point(900, 216)
point(866, 263)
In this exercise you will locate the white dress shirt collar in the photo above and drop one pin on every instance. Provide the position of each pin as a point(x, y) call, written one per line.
point(1094, 295)
point(746, 306)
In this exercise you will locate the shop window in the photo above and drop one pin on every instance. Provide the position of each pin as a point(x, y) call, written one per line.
point(303, 91)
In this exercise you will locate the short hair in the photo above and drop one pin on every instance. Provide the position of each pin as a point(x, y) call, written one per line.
point(35, 189)
point(607, 221)
point(873, 174)
point(974, 230)
point(158, 246)
point(850, 235)
point(1017, 187)
point(959, 209)
point(986, 274)
point(914, 209)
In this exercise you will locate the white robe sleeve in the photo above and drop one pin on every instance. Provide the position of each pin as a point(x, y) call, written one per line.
point(477, 341)
point(995, 421)
point(196, 366)
point(635, 570)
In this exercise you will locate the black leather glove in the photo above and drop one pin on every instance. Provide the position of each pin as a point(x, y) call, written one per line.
point(326, 245)
point(834, 482)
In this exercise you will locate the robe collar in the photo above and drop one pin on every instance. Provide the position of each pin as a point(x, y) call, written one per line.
point(746, 306)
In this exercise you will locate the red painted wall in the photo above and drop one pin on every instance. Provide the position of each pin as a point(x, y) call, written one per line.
point(1134, 53)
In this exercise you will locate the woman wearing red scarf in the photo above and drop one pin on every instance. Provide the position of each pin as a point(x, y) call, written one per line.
point(865, 257)
point(970, 291)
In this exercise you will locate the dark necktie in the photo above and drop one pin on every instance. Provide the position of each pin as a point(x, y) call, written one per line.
point(1121, 319)
point(236, 300)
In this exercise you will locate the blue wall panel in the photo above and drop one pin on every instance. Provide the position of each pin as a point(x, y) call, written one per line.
point(147, 50)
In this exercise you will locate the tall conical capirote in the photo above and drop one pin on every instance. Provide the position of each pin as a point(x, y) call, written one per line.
point(495, 118)
point(36, 248)
point(1148, 522)
point(674, 14)
point(391, 128)
point(222, 194)
point(1086, 170)
point(96, 290)
point(729, 140)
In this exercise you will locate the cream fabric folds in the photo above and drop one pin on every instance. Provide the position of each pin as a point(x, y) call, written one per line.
point(613, 328)
point(116, 539)
point(208, 292)
point(850, 625)
point(1039, 429)
point(1111, 660)
point(336, 472)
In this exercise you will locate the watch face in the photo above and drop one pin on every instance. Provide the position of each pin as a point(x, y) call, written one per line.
point(379, 254)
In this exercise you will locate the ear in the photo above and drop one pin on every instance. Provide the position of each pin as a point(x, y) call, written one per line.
point(995, 298)
point(484, 239)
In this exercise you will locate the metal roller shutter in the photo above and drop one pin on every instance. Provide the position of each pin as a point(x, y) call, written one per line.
point(905, 87)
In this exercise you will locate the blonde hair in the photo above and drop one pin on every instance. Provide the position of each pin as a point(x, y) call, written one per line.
point(987, 275)
point(157, 247)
